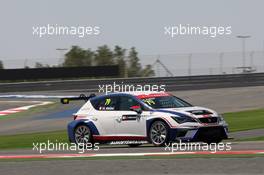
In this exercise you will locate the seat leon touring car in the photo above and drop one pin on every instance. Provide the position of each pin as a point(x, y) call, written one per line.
point(155, 117)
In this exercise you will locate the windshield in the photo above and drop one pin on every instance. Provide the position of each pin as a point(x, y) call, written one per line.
point(165, 102)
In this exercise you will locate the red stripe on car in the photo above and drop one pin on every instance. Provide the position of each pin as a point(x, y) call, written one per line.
point(118, 138)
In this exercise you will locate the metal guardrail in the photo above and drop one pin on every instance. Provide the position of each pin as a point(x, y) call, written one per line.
point(172, 83)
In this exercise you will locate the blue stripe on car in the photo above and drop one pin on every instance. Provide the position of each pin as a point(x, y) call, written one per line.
point(172, 131)
point(170, 112)
point(72, 125)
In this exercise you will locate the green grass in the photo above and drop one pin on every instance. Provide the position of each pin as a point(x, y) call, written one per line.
point(260, 138)
point(245, 120)
point(27, 140)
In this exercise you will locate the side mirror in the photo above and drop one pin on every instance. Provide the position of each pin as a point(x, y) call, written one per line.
point(137, 109)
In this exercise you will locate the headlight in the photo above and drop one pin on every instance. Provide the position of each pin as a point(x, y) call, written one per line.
point(184, 119)
point(221, 119)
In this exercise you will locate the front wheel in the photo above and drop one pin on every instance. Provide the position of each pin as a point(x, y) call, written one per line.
point(158, 133)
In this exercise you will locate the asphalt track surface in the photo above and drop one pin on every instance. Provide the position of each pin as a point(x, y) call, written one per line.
point(13, 104)
point(55, 118)
point(222, 100)
point(166, 165)
point(140, 167)
point(107, 149)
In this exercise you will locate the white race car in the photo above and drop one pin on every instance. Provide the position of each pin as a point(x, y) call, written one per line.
point(155, 117)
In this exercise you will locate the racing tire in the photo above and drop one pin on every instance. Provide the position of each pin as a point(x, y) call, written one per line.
point(83, 135)
point(159, 133)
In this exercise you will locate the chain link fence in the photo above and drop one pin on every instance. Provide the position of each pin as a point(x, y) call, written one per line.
point(188, 64)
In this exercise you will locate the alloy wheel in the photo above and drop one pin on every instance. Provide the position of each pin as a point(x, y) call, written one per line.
point(158, 133)
point(82, 134)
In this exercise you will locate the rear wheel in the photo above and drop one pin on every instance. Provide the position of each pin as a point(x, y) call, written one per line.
point(158, 133)
point(82, 135)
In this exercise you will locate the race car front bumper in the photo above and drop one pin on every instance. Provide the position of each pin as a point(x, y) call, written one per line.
point(200, 134)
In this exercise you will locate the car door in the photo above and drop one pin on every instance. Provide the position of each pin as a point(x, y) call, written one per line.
point(130, 123)
point(105, 115)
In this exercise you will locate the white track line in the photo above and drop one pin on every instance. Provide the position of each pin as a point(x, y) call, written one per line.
point(45, 156)
point(24, 108)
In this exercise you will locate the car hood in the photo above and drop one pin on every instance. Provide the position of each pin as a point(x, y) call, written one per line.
point(194, 111)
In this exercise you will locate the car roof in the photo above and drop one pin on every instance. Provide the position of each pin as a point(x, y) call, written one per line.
point(141, 94)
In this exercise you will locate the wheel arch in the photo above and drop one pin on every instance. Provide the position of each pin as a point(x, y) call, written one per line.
point(151, 121)
point(74, 124)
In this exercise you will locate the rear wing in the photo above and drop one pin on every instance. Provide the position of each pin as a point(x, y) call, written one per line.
point(81, 97)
